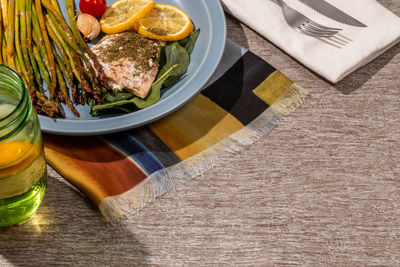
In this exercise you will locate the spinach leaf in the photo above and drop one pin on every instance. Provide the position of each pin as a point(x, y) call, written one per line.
point(115, 97)
point(174, 54)
point(189, 42)
point(136, 102)
point(91, 102)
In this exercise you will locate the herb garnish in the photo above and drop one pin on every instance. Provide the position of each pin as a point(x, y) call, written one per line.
point(132, 46)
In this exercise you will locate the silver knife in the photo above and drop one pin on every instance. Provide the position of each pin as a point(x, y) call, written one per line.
point(332, 12)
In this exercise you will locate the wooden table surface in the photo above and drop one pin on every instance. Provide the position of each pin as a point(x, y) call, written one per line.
point(321, 189)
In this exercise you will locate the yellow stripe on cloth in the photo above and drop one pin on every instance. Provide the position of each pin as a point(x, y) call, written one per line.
point(280, 93)
point(196, 127)
point(273, 87)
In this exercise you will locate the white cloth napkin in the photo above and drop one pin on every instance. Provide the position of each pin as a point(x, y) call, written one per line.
point(333, 63)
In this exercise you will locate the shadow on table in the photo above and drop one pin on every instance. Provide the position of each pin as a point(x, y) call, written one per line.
point(58, 234)
point(358, 78)
point(235, 29)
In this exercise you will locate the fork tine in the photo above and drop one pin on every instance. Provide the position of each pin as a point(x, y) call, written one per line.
point(312, 33)
point(329, 42)
point(335, 40)
point(338, 40)
point(306, 26)
point(317, 31)
point(341, 38)
point(315, 34)
point(323, 27)
point(345, 37)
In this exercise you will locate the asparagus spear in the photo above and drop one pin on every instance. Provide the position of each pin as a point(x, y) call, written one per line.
point(28, 8)
point(37, 37)
point(67, 34)
point(65, 70)
point(86, 90)
point(76, 63)
point(74, 28)
point(19, 70)
point(45, 104)
point(40, 63)
point(71, 17)
point(23, 55)
point(61, 46)
point(4, 19)
point(63, 29)
point(47, 45)
point(58, 29)
point(10, 33)
point(24, 39)
point(64, 67)
point(64, 38)
point(63, 90)
point(1, 36)
point(69, 39)
point(36, 72)
point(49, 106)
point(4, 50)
point(69, 58)
point(28, 51)
point(42, 108)
point(18, 49)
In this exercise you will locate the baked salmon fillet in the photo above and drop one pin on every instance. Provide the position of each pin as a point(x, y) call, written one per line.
point(129, 60)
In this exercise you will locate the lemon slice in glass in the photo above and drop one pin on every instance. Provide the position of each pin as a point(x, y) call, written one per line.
point(14, 152)
point(16, 156)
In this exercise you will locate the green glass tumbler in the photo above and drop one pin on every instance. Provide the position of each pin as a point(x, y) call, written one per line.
point(22, 165)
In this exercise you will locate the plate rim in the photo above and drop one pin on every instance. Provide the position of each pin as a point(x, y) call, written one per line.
point(48, 125)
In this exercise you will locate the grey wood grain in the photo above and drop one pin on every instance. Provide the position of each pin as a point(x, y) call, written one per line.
point(321, 189)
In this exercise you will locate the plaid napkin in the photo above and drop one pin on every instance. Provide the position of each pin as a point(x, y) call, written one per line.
point(122, 172)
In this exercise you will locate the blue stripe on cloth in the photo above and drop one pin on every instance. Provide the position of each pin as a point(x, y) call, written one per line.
point(136, 151)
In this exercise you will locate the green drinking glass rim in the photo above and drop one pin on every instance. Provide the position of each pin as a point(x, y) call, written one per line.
point(24, 102)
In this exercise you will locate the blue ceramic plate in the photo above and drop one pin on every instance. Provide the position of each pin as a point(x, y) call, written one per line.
point(208, 16)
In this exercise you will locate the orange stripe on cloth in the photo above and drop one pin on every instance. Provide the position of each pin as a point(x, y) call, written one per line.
point(197, 126)
point(92, 165)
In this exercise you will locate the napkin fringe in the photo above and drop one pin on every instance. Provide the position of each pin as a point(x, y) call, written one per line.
point(121, 208)
point(292, 99)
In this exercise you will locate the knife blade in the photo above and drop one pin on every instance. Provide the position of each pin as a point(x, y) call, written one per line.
point(332, 12)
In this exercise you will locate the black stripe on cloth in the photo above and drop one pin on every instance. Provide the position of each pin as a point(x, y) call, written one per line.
point(155, 146)
point(234, 90)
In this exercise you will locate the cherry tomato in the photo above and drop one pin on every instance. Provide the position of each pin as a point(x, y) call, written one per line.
point(96, 8)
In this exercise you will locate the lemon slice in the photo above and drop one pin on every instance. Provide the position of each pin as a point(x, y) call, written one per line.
point(123, 14)
point(14, 152)
point(166, 23)
point(16, 156)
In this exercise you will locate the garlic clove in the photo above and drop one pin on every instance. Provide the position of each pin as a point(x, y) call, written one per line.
point(88, 25)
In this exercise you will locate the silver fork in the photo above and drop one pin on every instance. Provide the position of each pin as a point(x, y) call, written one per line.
point(304, 25)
